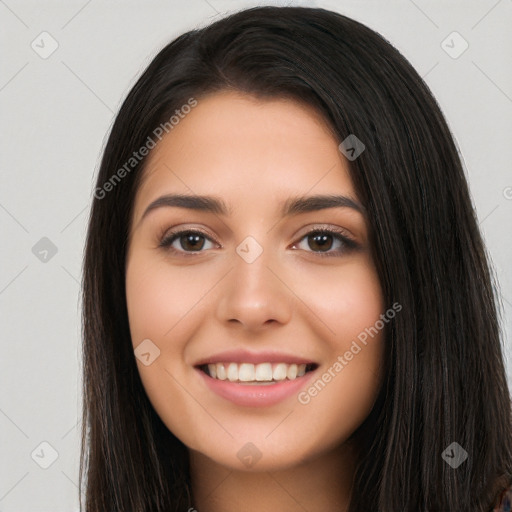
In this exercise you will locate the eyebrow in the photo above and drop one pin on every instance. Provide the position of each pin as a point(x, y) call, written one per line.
point(292, 206)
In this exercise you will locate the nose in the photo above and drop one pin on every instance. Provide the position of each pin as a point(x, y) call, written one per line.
point(255, 295)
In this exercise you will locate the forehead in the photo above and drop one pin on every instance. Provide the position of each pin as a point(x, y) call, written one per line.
point(246, 149)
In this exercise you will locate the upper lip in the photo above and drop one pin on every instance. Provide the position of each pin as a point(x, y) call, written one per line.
point(245, 356)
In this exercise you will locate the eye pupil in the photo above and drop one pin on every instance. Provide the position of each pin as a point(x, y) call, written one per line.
point(194, 241)
point(320, 240)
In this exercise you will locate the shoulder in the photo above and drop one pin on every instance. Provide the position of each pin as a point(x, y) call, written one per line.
point(504, 503)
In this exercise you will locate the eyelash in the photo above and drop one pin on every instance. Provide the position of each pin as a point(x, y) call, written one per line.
point(347, 242)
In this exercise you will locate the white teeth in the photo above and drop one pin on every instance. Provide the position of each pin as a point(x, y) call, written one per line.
point(252, 373)
point(246, 372)
point(221, 372)
point(279, 372)
point(212, 369)
point(232, 372)
point(263, 372)
point(291, 373)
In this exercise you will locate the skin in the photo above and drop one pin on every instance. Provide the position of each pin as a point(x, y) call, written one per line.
point(255, 154)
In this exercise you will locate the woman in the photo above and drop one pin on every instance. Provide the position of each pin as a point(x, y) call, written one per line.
point(287, 301)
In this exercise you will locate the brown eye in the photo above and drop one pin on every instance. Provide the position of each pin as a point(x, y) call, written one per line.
point(321, 241)
point(187, 240)
point(191, 241)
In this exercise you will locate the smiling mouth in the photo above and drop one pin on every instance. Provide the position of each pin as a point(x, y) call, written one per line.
point(256, 374)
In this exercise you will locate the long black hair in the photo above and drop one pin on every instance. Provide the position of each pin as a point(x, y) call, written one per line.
point(444, 377)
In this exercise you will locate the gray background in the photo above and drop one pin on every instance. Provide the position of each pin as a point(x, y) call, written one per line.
point(56, 112)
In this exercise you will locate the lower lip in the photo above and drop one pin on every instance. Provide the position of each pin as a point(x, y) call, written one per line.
point(252, 395)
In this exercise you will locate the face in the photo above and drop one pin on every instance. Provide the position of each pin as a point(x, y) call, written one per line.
point(230, 304)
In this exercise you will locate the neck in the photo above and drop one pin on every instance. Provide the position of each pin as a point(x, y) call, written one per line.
point(321, 484)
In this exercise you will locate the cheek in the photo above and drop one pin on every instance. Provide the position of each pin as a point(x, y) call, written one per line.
point(350, 304)
point(158, 297)
point(163, 306)
point(347, 300)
